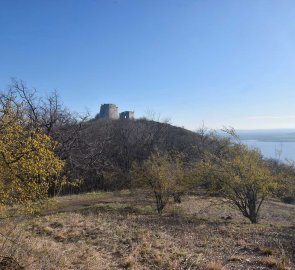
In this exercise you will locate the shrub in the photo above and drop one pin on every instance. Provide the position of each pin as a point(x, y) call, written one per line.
point(289, 199)
point(164, 175)
point(28, 164)
point(241, 176)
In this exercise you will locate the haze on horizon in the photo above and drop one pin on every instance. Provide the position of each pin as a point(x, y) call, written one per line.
point(227, 63)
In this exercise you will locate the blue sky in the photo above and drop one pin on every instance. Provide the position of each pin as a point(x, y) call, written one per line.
point(221, 62)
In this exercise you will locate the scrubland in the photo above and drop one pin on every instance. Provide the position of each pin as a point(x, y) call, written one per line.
point(123, 231)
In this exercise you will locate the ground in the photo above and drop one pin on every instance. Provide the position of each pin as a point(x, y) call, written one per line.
point(123, 231)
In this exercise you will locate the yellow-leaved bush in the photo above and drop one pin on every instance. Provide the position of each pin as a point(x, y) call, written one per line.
point(241, 176)
point(28, 163)
point(164, 175)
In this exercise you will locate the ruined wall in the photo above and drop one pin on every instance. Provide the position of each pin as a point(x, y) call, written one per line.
point(127, 115)
point(108, 111)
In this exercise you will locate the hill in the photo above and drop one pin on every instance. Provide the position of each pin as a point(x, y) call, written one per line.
point(103, 150)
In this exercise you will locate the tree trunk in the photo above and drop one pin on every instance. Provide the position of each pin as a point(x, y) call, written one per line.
point(253, 214)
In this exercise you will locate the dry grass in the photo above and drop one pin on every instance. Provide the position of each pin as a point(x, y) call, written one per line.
point(113, 232)
point(275, 263)
point(272, 212)
point(214, 266)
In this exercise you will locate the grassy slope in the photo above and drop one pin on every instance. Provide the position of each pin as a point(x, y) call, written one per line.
point(121, 231)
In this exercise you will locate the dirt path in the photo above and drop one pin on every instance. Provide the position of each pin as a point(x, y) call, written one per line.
point(77, 202)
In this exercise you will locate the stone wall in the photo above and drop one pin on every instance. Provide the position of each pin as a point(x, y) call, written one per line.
point(109, 111)
point(127, 115)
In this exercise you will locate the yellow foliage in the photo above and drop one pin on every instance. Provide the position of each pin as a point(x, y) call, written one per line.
point(165, 175)
point(27, 159)
point(241, 175)
point(238, 169)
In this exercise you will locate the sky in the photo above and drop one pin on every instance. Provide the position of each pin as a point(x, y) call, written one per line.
point(221, 63)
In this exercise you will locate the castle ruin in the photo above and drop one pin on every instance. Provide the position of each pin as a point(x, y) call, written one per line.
point(127, 115)
point(110, 111)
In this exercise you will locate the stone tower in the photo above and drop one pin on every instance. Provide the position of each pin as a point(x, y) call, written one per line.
point(127, 115)
point(108, 111)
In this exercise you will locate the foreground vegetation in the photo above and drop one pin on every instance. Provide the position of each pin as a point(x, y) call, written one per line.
point(123, 231)
point(46, 151)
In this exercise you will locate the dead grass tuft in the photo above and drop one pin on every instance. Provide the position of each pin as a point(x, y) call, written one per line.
point(279, 264)
point(214, 266)
point(235, 259)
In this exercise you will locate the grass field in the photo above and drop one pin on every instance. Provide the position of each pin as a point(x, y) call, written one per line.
point(122, 231)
